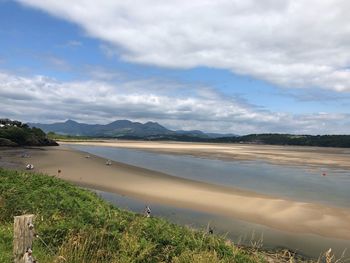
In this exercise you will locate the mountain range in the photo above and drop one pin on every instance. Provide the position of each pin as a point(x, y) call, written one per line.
point(121, 128)
point(125, 129)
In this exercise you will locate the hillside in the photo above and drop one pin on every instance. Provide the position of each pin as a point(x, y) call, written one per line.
point(15, 133)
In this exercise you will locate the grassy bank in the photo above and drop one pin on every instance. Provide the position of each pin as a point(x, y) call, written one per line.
point(74, 225)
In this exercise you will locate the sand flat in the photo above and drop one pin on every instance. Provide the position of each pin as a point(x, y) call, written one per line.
point(291, 155)
point(156, 187)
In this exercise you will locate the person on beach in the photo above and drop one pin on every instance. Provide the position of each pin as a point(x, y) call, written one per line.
point(148, 211)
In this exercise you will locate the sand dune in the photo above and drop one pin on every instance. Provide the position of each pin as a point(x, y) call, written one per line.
point(155, 187)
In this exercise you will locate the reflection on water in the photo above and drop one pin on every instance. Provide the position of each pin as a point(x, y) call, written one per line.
point(238, 231)
point(301, 183)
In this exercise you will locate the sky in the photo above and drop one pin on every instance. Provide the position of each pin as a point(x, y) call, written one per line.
point(228, 66)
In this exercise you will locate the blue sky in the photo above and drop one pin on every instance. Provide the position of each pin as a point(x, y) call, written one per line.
point(118, 61)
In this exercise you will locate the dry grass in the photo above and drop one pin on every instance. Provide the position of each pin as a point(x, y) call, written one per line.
point(329, 257)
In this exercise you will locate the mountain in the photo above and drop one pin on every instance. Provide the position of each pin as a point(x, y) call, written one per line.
point(114, 129)
point(121, 128)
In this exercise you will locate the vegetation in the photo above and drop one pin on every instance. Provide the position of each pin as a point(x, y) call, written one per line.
point(301, 140)
point(61, 137)
point(269, 138)
point(77, 226)
point(15, 133)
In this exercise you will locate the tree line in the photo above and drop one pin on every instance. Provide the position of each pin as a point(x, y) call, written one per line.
point(266, 138)
point(290, 139)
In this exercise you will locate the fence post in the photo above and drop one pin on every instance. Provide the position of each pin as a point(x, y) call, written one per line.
point(23, 237)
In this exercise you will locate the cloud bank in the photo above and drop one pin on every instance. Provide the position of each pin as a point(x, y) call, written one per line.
point(291, 43)
point(43, 99)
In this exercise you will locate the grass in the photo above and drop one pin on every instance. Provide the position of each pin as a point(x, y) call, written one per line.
point(71, 138)
point(75, 225)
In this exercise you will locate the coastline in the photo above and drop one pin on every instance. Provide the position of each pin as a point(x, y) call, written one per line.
point(160, 188)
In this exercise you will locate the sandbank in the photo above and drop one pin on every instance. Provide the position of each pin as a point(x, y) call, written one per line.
point(288, 155)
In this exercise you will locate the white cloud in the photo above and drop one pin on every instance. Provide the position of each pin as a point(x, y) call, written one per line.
point(43, 99)
point(292, 43)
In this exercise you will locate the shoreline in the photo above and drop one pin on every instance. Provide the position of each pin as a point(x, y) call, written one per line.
point(160, 188)
point(286, 155)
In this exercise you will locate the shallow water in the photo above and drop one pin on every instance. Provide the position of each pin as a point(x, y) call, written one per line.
point(301, 183)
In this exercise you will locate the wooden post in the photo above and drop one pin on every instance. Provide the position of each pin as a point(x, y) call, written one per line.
point(23, 237)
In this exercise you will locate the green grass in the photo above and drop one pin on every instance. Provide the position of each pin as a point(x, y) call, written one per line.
point(78, 226)
point(61, 137)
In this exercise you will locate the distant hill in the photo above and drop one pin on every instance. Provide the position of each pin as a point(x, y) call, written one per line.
point(200, 134)
point(121, 129)
point(342, 141)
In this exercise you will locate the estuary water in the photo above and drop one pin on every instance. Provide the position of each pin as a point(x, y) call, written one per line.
point(301, 183)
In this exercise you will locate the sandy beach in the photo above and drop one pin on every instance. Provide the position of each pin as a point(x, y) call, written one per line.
point(291, 155)
point(156, 187)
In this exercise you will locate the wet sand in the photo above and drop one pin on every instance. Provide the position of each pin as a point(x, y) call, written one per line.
point(291, 155)
point(160, 188)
